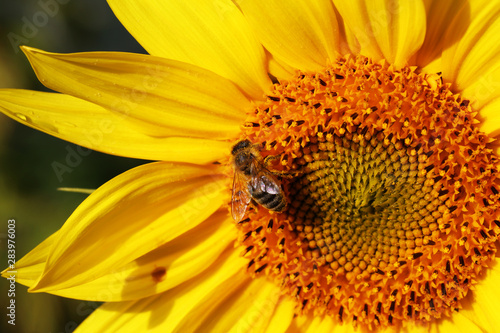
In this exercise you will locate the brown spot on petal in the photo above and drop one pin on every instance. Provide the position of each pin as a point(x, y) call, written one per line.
point(158, 274)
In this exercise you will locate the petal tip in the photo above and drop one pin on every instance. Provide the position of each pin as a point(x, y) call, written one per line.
point(28, 49)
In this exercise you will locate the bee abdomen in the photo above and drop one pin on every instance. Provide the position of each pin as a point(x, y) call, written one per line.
point(280, 205)
point(274, 202)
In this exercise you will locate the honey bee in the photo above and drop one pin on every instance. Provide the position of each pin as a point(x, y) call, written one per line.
point(252, 180)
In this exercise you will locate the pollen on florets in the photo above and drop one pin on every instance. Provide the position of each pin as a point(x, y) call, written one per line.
point(392, 191)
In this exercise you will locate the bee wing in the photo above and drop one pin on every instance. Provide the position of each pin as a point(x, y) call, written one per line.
point(240, 197)
point(264, 181)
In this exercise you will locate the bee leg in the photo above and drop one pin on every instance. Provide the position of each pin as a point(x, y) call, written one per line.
point(269, 158)
point(288, 174)
point(284, 174)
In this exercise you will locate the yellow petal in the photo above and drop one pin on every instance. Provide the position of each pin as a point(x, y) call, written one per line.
point(210, 34)
point(310, 324)
point(385, 29)
point(299, 324)
point(352, 42)
point(129, 216)
point(161, 97)
point(433, 67)
point(457, 323)
point(279, 69)
point(325, 325)
point(303, 34)
point(472, 63)
point(91, 126)
point(249, 309)
point(482, 305)
point(490, 117)
point(283, 316)
point(190, 303)
point(161, 269)
point(29, 268)
point(440, 15)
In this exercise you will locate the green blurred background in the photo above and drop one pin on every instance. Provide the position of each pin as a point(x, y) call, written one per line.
point(28, 183)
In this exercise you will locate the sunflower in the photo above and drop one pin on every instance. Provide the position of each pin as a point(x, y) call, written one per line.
point(374, 122)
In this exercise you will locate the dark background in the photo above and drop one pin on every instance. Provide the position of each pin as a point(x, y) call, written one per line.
point(28, 183)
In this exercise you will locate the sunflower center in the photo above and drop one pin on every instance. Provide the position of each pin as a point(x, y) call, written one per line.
point(392, 194)
point(364, 202)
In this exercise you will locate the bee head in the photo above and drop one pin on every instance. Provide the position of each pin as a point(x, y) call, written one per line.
point(243, 144)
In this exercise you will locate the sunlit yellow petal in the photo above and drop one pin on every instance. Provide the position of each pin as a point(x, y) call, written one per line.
point(324, 325)
point(433, 67)
point(414, 328)
point(210, 34)
point(472, 63)
point(439, 17)
point(310, 324)
point(162, 97)
point(385, 29)
point(165, 267)
point(457, 323)
point(128, 217)
point(91, 126)
point(482, 308)
point(491, 118)
point(161, 269)
point(279, 69)
point(175, 308)
point(29, 268)
point(283, 316)
point(352, 42)
point(303, 34)
point(248, 310)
